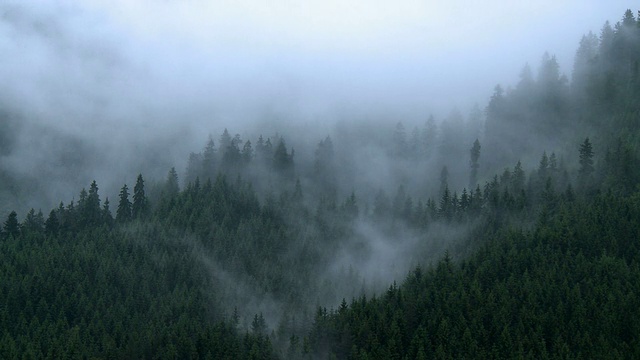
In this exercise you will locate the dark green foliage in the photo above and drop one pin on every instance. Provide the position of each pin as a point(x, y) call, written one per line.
point(282, 160)
point(52, 225)
point(11, 226)
point(566, 289)
point(33, 222)
point(171, 185)
point(98, 293)
point(474, 157)
point(123, 214)
point(140, 206)
point(209, 162)
point(247, 152)
point(586, 160)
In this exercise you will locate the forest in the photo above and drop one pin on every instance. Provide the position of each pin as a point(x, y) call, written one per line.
point(508, 232)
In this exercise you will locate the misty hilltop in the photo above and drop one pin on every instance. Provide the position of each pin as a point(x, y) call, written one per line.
point(200, 180)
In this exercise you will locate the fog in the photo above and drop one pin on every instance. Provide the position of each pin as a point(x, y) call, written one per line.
point(105, 90)
point(156, 77)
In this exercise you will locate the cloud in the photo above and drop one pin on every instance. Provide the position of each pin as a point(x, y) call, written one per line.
point(124, 74)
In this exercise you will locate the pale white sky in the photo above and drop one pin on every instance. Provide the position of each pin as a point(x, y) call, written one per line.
point(418, 49)
point(170, 72)
point(405, 58)
point(356, 25)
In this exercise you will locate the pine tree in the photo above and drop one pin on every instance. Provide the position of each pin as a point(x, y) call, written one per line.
point(247, 152)
point(444, 180)
point(231, 156)
point(351, 206)
point(52, 225)
point(171, 185)
point(11, 226)
point(123, 214)
point(140, 206)
point(91, 208)
point(586, 160)
point(475, 156)
point(107, 218)
point(543, 167)
point(445, 204)
point(33, 222)
point(298, 196)
point(225, 141)
point(282, 160)
point(259, 325)
point(209, 160)
point(517, 178)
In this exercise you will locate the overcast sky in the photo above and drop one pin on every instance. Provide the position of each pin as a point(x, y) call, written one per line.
point(124, 75)
point(310, 57)
point(424, 51)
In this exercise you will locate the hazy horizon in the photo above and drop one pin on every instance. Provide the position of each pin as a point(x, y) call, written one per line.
point(125, 77)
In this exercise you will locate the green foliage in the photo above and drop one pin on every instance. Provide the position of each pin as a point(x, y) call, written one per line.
point(474, 153)
point(11, 226)
point(564, 289)
point(140, 206)
point(100, 293)
point(123, 214)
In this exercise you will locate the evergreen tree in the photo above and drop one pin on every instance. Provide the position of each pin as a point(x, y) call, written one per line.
point(247, 152)
point(33, 222)
point(225, 142)
point(52, 225)
point(208, 160)
point(543, 167)
point(517, 178)
point(194, 167)
point(586, 160)
point(232, 157)
point(444, 180)
point(140, 206)
point(123, 213)
point(107, 218)
point(11, 225)
point(259, 325)
point(282, 160)
point(90, 210)
point(171, 185)
point(475, 156)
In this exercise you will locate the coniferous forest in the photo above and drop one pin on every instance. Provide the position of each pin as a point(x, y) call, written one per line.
point(510, 232)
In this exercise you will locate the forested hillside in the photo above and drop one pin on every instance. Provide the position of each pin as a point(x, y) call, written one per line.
point(510, 232)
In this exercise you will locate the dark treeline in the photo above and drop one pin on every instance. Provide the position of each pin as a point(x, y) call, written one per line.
point(519, 240)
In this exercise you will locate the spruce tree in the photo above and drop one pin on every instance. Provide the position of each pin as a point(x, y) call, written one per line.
point(475, 156)
point(247, 152)
point(282, 160)
point(91, 213)
point(209, 159)
point(52, 225)
point(586, 158)
point(107, 218)
point(140, 206)
point(171, 186)
point(123, 214)
point(11, 226)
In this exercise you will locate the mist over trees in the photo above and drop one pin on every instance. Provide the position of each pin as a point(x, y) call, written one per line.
point(509, 230)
